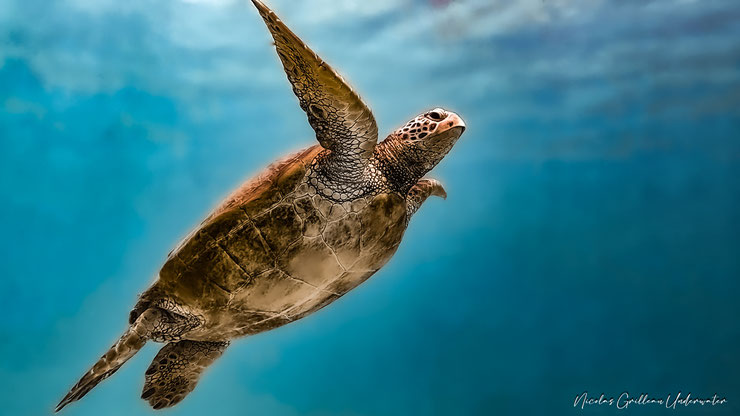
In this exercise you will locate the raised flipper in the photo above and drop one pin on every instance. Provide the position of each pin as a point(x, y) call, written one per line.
point(342, 121)
point(176, 369)
point(420, 192)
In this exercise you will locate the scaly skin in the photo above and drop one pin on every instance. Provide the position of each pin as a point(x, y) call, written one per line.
point(305, 232)
point(271, 257)
point(278, 250)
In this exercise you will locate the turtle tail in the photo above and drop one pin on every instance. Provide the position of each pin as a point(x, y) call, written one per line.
point(126, 347)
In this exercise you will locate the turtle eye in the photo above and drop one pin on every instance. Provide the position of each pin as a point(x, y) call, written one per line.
point(435, 116)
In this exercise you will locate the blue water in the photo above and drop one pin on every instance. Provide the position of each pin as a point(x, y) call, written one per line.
point(590, 241)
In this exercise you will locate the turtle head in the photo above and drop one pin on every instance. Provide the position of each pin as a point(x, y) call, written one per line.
point(422, 143)
point(428, 137)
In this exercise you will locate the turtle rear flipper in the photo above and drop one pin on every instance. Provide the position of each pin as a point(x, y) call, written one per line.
point(152, 324)
point(176, 370)
point(127, 346)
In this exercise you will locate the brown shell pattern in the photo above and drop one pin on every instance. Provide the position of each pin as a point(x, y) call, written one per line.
point(276, 251)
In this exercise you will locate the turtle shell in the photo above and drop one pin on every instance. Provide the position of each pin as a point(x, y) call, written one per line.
point(275, 251)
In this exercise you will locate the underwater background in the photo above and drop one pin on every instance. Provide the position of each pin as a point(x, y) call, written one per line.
point(590, 241)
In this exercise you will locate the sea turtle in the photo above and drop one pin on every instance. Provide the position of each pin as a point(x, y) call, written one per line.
point(289, 242)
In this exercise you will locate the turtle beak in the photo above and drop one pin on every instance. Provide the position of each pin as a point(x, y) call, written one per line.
point(457, 122)
point(452, 121)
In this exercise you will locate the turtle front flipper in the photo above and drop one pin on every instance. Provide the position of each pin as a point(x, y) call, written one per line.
point(176, 370)
point(420, 192)
point(342, 121)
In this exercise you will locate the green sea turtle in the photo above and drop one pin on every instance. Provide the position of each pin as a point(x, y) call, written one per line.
point(289, 242)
